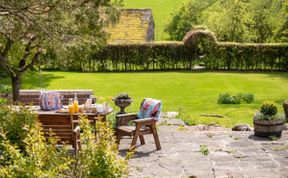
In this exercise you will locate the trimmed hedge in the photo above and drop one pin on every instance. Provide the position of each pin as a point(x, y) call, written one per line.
point(198, 47)
point(240, 56)
point(248, 56)
point(144, 56)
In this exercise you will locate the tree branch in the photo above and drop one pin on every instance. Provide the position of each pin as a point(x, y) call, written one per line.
point(5, 66)
point(24, 17)
point(39, 12)
point(4, 13)
point(8, 46)
point(208, 5)
point(35, 58)
point(27, 52)
point(32, 9)
point(3, 56)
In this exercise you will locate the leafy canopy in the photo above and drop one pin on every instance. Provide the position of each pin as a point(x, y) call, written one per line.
point(29, 28)
point(257, 21)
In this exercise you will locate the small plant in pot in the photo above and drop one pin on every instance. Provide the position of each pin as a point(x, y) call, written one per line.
point(122, 100)
point(267, 121)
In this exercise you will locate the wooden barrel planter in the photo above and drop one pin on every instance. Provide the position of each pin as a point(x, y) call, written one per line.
point(285, 107)
point(266, 128)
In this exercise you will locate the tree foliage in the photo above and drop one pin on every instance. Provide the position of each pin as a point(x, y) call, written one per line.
point(29, 28)
point(256, 21)
point(188, 17)
point(282, 31)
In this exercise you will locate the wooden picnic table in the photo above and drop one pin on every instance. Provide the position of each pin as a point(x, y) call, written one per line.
point(54, 116)
point(64, 125)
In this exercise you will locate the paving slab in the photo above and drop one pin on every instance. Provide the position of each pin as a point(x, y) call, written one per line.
point(231, 154)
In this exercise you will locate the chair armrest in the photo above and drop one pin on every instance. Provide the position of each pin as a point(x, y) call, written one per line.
point(123, 119)
point(145, 121)
point(127, 115)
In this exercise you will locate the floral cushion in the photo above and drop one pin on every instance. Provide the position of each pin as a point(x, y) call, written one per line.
point(50, 100)
point(150, 108)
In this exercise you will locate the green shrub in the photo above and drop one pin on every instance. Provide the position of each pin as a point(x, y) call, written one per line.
point(16, 123)
point(97, 158)
point(236, 99)
point(41, 158)
point(226, 98)
point(247, 97)
point(269, 108)
point(5, 89)
point(99, 154)
point(3, 101)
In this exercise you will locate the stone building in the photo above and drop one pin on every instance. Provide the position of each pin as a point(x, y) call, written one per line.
point(135, 25)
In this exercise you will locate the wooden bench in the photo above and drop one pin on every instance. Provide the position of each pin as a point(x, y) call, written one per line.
point(29, 97)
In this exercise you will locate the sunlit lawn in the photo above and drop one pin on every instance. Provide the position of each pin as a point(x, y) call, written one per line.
point(193, 93)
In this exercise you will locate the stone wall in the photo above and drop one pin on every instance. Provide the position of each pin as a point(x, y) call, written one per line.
point(135, 25)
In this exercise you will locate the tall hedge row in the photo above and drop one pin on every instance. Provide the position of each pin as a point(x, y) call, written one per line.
point(198, 47)
point(143, 56)
point(242, 56)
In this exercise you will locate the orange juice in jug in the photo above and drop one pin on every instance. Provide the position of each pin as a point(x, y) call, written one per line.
point(71, 109)
point(75, 103)
point(76, 106)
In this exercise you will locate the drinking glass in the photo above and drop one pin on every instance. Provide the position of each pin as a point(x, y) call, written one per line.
point(70, 101)
point(89, 105)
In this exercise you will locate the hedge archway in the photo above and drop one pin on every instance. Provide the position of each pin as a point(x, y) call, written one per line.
point(194, 37)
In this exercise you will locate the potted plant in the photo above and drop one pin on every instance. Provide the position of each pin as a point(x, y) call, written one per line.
point(122, 100)
point(267, 122)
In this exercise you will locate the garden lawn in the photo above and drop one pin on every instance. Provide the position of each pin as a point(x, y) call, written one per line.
point(191, 93)
point(161, 9)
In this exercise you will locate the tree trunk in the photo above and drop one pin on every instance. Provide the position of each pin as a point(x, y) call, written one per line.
point(16, 84)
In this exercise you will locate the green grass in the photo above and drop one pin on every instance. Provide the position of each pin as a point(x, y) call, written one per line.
point(161, 9)
point(193, 93)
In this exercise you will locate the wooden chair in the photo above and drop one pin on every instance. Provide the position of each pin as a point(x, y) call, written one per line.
point(62, 128)
point(140, 128)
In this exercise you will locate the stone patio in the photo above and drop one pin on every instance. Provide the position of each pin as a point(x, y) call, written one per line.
point(231, 154)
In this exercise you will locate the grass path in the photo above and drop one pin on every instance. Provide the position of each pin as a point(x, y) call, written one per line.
point(161, 9)
point(192, 93)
